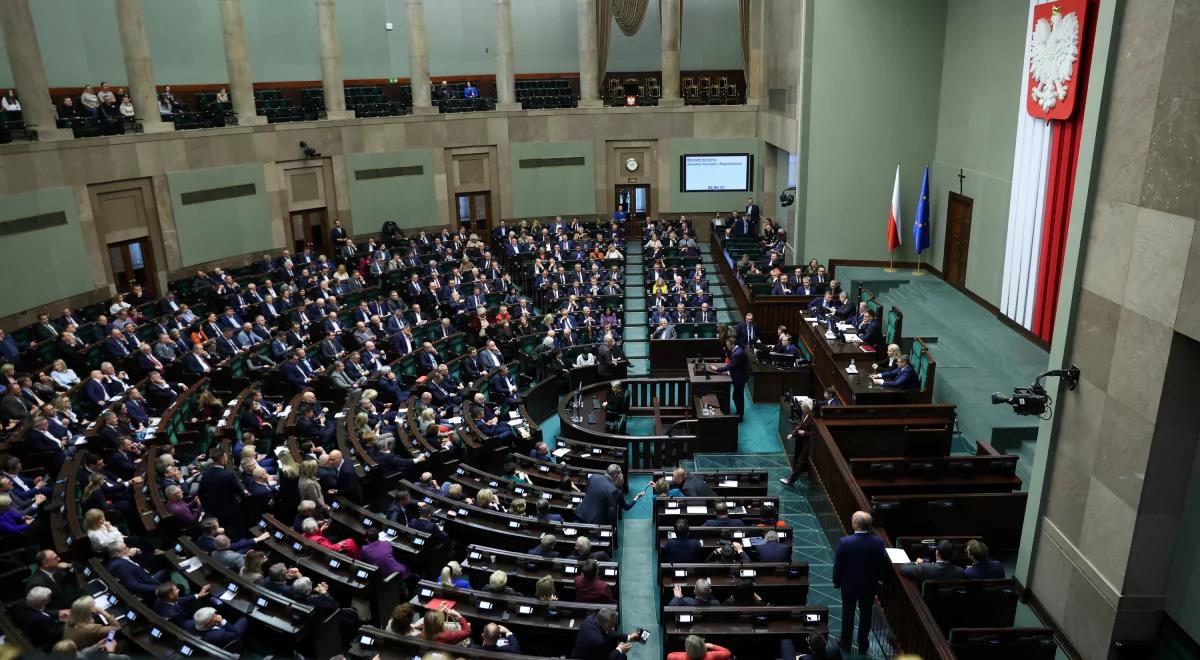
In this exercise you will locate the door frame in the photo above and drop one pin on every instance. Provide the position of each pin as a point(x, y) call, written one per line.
point(953, 230)
point(634, 223)
point(325, 228)
point(148, 264)
point(486, 229)
point(162, 260)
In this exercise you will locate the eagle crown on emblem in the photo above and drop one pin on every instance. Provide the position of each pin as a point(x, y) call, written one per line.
point(1052, 54)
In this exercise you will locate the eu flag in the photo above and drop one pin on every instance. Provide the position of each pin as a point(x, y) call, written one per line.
point(921, 225)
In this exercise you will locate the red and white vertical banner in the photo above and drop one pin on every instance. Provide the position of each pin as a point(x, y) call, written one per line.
point(1049, 120)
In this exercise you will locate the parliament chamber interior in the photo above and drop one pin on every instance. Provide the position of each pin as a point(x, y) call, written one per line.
point(599, 329)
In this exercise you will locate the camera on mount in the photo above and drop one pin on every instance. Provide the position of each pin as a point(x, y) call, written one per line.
point(309, 152)
point(788, 196)
point(1033, 400)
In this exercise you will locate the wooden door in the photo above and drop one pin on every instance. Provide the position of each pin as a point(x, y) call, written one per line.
point(310, 228)
point(958, 239)
point(132, 262)
point(634, 199)
point(474, 211)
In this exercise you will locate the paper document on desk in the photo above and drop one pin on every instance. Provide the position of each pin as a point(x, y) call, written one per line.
point(513, 414)
point(852, 337)
point(728, 483)
point(843, 326)
point(697, 509)
point(830, 335)
point(810, 319)
point(898, 556)
point(852, 369)
point(562, 451)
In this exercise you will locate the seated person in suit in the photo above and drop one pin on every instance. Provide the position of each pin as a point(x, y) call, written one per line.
point(598, 638)
point(131, 574)
point(664, 330)
point(723, 519)
point(903, 377)
point(982, 567)
point(941, 569)
point(845, 308)
point(545, 547)
point(823, 305)
point(583, 551)
point(504, 387)
point(498, 584)
point(819, 648)
point(868, 329)
point(702, 596)
point(681, 549)
point(212, 628)
point(782, 287)
point(41, 625)
point(172, 606)
point(771, 550)
point(786, 347)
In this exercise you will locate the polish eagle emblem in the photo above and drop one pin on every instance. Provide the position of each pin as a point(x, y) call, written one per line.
point(1052, 55)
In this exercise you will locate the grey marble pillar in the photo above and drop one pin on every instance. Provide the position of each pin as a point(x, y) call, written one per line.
point(331, 61)
point(506, 92)
point(589, 79)
point(131, 26)
point(418, 59)
point(28, 71)
point(237, 62)
point(670, 54)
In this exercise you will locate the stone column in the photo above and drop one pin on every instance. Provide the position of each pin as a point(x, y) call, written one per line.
point(131, 27)
point(29, 74)
point(756, 67)
point(506, 93)
point(237, 62)
point(418, 60)
point(589, 79)
point(331, 61)
point(670, 54)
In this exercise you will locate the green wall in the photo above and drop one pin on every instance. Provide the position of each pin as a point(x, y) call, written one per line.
point(80, 44)
point(876, 72)
point(42, 265)
point(977, 127)
point(700, 202)
point(222, 228)
point(409, 201)
point(567, 190)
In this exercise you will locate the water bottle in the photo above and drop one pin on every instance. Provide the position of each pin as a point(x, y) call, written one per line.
point(852, 367)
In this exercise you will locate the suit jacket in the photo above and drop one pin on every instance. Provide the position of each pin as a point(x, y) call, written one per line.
point(902, 377)
point(869, 333)
point(221, 495)
point(347, 482)
point(774, 552)
point(859, 563)
point(743, 333)
point(681, 551)
point(133, 576)
point(593, 591)
point(500, 387)
point(696, 486)
point(738, 367)
point(939, 570)
point(667, 332)
point(592, 643)
point(42, 627)
point(603, 503)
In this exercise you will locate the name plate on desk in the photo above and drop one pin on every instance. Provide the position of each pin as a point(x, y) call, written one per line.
point(728, 483)
point(697, 509)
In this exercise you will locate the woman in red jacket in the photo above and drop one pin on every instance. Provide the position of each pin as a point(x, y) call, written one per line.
point(445, 626)
point(695, 648)
point(315, 532)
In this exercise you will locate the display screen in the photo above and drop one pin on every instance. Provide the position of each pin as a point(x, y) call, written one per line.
point(716, 172)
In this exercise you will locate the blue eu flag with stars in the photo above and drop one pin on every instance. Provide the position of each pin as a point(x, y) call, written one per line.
point(921, 225)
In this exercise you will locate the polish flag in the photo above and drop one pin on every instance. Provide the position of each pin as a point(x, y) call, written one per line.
point(893, 226)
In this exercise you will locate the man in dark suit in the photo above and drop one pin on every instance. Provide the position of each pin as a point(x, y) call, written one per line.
point(52, 573)
point(221, 493)
point(212, 628)
point(504, 387)
point(603, 502)
point(753, 212)
point(903, 377)
point(131, 574)
point(771, 550)
point(39, 623)
point(172, 606)
point(598, 638)
point(858, 566)
point(941, 568)
point(681, 549)
point(425, 524)
point(346, 478)
point(607, 360)
point(692, 485)
point(723, 519)
point(868, 329)
point(738, 369)
point(746, 331)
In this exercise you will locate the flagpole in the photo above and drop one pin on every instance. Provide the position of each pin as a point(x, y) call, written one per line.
point(918, 271)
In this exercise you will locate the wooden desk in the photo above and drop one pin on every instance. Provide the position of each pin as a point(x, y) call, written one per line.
point(717, 432)
point(737, 627)
point(711, 537)
point(777, 583)
point(668, 357)
point(697, 510)
point(592, 411)
point(705, 382)
point(768, 383)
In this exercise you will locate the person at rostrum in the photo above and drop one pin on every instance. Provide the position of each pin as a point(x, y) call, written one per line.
point(858, 565)
point(738, 369)
point(598, 638)
point(603, 503)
